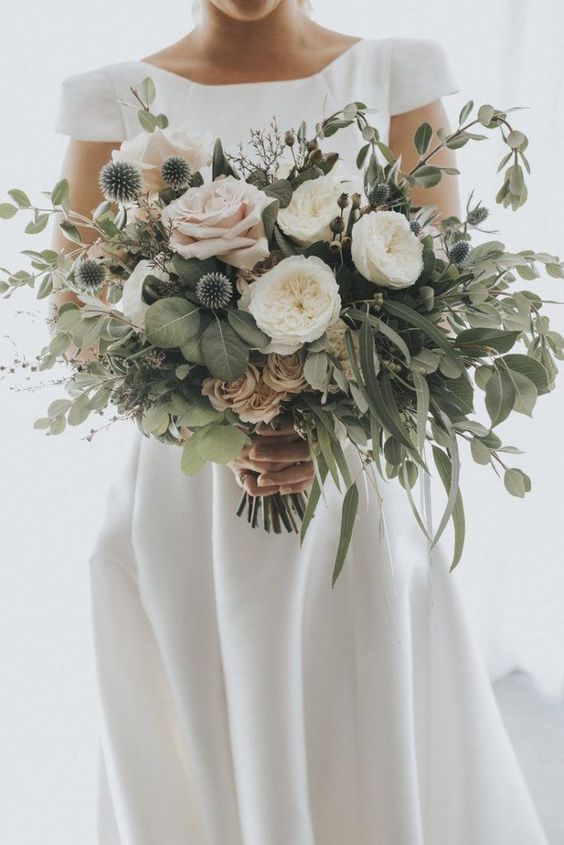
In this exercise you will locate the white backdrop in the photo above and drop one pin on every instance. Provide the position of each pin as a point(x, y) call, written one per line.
point(507, 52)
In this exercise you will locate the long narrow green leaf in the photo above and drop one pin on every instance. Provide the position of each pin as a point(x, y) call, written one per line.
point(454, 475)
point(423, 401)
point(342, 462)
point(404, 312)
point(444, 467)
point(389, 403)
point(386, 330)
point(314, 496)
point(326, 445)
point(374, 388)
point(348, 516)
point(413, 506)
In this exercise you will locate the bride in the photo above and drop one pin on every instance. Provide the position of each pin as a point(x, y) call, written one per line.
point(244, 701)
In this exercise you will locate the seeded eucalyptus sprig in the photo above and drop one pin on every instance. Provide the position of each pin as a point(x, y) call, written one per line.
point(513, 192)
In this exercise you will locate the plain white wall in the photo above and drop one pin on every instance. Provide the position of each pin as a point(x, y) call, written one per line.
point(52, 489)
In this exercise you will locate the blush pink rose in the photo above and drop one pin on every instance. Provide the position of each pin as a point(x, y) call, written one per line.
point(222, 219)
point(148, 151)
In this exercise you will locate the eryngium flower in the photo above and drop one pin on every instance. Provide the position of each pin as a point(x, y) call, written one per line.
point(380, 194)
point(214, 290)
point(89, 275)
point(459, 252)
point(478, 215)
point(176, 173)
point(120, 181)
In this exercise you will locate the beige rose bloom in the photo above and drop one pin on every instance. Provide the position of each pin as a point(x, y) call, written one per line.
point(285, 373)
point(148, 151)
point(337, 347)
point(249, 396)
point(221, 219)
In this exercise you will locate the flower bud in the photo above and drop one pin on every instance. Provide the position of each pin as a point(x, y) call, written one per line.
point(378, 300)
point(331, 158)
point(343, 200)
point(346, 242)
point(289, 139)
point(315, 156)
point(356, 200)
point(337, 225)
point(335, 246)
point(312, 145)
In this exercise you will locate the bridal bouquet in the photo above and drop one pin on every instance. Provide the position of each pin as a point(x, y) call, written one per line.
point(223, 290)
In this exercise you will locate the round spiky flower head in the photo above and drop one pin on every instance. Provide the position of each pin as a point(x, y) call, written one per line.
point(380, 194)
point(120, 181)
point(214, 290)
point(478, 215)
point(176, 173)
point(415, 227)
point(89, 275)
point(459, 252)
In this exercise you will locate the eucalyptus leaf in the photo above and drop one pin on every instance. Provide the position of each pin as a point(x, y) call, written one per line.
point(224, 353)
point(500, 396)
point(171, 322)
point(221, 443)
point(244, 324)
point(348, 517)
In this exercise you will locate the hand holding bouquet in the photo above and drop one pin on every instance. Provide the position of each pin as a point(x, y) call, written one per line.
point(227, 291)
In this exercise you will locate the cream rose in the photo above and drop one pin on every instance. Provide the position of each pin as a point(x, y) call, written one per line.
point(285, 373)
point(313, 205)
point(148, 151)
point(132, 303)
point(294, 302)
point(223, 219)
point(249, 396)
point(385, 250)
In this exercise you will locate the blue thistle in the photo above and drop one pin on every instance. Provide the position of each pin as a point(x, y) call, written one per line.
point(120, 181)
point(89, 275)
point(214, 290)
point(478, 215)
point(379, 194)
point(459, 252)
point(176, 173)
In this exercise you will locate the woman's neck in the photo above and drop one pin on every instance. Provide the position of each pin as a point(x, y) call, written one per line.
point(256, 44)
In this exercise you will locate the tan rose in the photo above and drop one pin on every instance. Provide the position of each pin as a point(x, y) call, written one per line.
point(148, 151)
point(285, 373)
point(249, 396)
point(221, 219)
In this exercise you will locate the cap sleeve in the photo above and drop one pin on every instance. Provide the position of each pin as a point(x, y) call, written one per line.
point(88, 108)
point(419, 74)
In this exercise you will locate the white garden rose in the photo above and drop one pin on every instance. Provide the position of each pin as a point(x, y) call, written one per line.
point(132, 304)
point(312, 207)
point(148, 151)
point(385, 250)
point(295, 302)
point(221, 219)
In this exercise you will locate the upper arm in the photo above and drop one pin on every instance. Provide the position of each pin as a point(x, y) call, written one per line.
point(445, 196)
point(81, 166)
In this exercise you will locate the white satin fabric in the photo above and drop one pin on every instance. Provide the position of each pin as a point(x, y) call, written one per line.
point(245, 701)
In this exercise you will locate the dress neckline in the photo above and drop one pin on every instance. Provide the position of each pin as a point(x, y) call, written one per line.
point(261, 82)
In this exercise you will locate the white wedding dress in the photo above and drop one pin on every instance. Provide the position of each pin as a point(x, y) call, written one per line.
point(245, 701)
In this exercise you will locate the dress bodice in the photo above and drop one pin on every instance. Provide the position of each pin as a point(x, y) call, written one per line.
point(390, 76)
